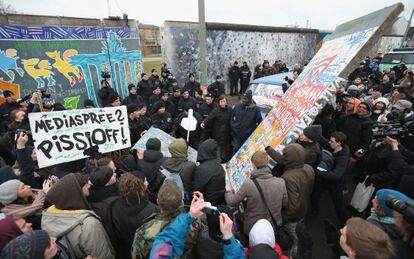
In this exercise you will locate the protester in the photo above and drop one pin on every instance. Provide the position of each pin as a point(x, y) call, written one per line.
point(209, 176)
point(170, 200)
point(299, 179)
point(32, 245)
point(265, 195)
point(207, 106)
point(21, 201)
point(217, 125)
point(71, 216)
point(129, 213)
point(362, 239)
point(155, 97)
point(262, 242)
point(309, 140)
point(11, 228)
point(170, 242)
point(331, 178)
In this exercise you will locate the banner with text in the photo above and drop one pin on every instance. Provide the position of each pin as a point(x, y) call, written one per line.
point(63, 136)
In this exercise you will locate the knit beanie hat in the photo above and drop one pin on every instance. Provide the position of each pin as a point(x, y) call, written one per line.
point(368, 105)
point(112, 98)
point(384, 194)
point(313, 132)
point(132, 108)
point(27, 246)
point(153, 144)
point(8, 191)
point(8, 230)
point(178, 148)
point(101, 176)
point(88, 103)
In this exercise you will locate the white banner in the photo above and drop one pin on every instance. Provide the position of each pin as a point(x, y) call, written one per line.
point(63, 136)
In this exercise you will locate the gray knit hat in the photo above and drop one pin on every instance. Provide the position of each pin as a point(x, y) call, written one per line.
point(8, 191)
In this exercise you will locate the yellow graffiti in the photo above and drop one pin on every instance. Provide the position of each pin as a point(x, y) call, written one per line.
point(63, 66)
point(41, 71)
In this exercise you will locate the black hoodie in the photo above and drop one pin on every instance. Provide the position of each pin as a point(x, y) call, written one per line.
point(209, 177)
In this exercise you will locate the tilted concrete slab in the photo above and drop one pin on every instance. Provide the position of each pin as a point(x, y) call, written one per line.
point(313, 88)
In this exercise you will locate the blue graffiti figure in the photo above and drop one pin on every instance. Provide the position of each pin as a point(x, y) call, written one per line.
point(8, 63)
point(115, 55)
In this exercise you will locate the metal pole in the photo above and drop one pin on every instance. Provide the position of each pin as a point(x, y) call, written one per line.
point(202, 40)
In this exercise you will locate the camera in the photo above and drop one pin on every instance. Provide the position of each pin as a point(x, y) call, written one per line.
point(45, 94)
point(93, 152)
point(211, 210)
point(105, 74)
point(390, 129)
point(406, 209)
point(24, 131)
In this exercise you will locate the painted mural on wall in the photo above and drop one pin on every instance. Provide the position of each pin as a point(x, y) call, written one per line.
point(70, 70)
point(224, 47)
point(63, 32)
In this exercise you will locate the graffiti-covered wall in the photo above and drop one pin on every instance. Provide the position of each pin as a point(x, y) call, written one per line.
point(67, 61)
point(226, 46)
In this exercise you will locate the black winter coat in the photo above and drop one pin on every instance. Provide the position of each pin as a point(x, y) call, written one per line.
point(209, 177)
point(205, 109)
point(339, 169)
point(104, 93)
point(216, 89)
point(145, 90)
point(234, 73)
point(152, 100)
point(218, 123)
point(193, 87)
point(163, 121)
point(133, 99)
point(154, 80)
point(244, 120)
point(125, 221)
point(186, 104)
point(137, 126)
point(358, 131)
point(150, 163)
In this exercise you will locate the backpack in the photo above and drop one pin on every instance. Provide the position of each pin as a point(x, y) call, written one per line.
point(327, 162)
point(64, 249)
point(164, 175)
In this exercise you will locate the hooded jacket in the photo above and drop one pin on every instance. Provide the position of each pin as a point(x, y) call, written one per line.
point(8, 230)
point(209, 177)
point(299, 178)
point(71, 216)
point(275, 194)
point(178, 162)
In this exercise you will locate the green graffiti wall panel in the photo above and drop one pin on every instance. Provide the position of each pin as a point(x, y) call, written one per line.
point(70, 70)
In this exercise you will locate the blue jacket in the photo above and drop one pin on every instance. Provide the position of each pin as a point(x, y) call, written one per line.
point(244, 120)
point(176, 234)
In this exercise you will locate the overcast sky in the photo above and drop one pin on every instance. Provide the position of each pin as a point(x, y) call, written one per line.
point(321, 14)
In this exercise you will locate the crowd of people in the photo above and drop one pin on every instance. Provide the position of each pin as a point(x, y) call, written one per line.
point(141, 204)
